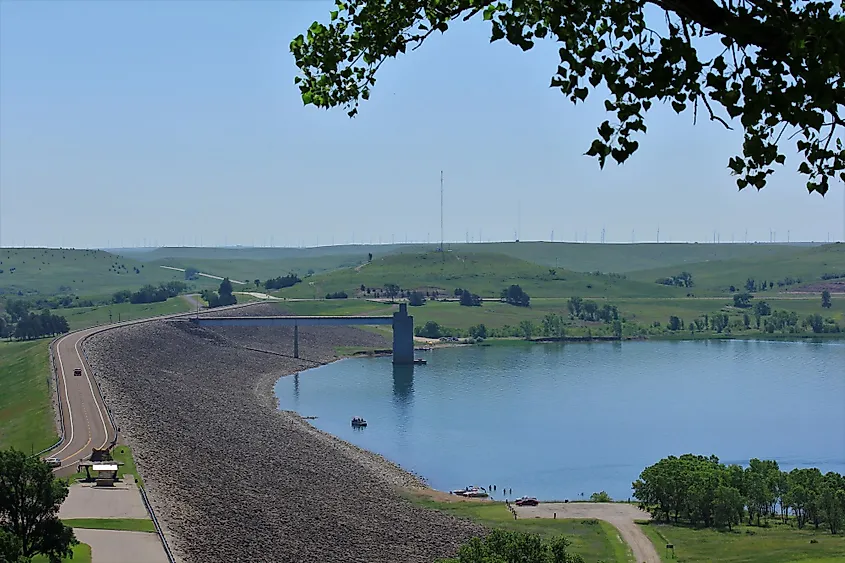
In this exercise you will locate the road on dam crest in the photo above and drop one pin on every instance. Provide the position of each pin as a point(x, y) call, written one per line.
point(86, 420)
point(85, 417)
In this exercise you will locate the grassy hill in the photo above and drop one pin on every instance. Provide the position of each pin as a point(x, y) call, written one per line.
point(590, 257)
point(808, 264)
point(247, 269)
point(49, 271)
point(359, 251)
point(482, 273)
point(623, 258)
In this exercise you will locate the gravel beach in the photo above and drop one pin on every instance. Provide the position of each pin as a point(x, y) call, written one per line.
point(234, 479)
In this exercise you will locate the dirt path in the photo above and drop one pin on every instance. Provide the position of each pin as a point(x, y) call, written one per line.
point(622, 516)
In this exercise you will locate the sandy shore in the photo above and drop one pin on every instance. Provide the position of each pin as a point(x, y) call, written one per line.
point(233, 478)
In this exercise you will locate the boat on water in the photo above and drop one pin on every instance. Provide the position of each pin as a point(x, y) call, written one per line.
point(471, 491)
point(358, 421)
point(419, 361)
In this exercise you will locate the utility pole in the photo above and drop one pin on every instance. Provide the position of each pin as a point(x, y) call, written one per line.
point(658, 234)
point(518, 220)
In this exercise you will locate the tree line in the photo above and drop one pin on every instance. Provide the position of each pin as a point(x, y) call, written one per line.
point(31, 326)
point(150, 293)
point(282, 282)
point(701, 491)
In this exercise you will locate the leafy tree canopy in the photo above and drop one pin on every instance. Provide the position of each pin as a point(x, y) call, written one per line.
point(29, 503)
point(776, 65)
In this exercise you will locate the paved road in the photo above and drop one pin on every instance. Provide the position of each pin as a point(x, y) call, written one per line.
point(110, 546)
point(86, 420)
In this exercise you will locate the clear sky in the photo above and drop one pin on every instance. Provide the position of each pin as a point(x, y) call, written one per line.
point(178, 122)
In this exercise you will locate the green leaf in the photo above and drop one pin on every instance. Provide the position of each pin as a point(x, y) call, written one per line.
point(678, 106)
point(307, 97)
point(496, 33)
point(605, 130)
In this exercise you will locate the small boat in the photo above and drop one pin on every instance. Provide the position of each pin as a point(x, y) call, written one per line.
point(419, 361)
point(470, 491)
point(358, 421)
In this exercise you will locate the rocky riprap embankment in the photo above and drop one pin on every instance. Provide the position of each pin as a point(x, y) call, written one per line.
point(232, 478)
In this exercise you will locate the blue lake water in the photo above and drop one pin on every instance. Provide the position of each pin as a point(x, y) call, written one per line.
point(559, 420)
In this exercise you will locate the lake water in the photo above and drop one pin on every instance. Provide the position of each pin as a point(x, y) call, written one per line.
point(558, 420)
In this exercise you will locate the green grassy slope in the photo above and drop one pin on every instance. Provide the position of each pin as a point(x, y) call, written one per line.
point(26, 418)
point(261, 254)
point(247, 269)
point(805, 263)
point(589, 257)
point(622, 258)
point(83, 272)
point(484, 274)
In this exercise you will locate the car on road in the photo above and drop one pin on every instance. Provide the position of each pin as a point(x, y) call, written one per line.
point(53, 462)
point(77, 371)
point(526, 501)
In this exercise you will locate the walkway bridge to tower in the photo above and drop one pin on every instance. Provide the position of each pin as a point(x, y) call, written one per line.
point(402, 323)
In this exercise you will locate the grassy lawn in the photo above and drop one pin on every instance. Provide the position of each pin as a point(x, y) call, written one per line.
point(124, 524)
point(124, 453)
point(81, 554)
point(26, 417)
point(594, 540)
point(84, 317)
point(746, 544)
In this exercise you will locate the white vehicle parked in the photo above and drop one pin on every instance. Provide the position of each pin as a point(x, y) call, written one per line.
point(53, 462)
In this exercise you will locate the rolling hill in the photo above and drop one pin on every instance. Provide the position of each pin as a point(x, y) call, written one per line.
point(50, 271)
point(808, 264)
point(483, 273)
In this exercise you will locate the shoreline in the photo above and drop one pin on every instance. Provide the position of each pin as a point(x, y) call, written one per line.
point(219, 458)
point(391, 472)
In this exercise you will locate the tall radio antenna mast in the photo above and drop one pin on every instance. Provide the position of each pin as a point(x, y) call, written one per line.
point(441, 211)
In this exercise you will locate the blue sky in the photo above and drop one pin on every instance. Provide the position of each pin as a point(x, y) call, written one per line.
point(178, 122)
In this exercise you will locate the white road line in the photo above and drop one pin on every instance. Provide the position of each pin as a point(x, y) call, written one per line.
point(91, 387)
point(67, 398)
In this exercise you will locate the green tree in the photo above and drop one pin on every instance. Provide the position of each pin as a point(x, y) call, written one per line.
point(815, 322)
point(674, 323)
point(617, 328)
point(391, 289)
point(826, 299)
point(728, 506)
point(742, 300)
point(10, 548)
point(527, 328)
point(478, 331)
point(600, 497)
point(30, 497)
point(574, 306)
point(780, 69)
point(502, 546)
point(226, 297)
point(762, 309)
point(514, 295)
point(431, 329)
point(416, 299)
